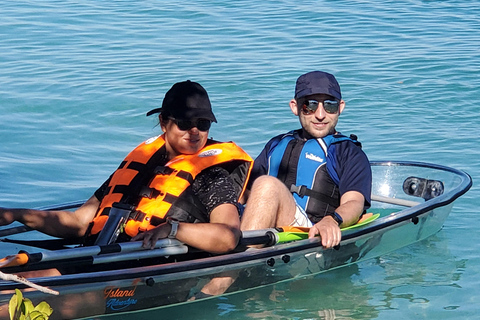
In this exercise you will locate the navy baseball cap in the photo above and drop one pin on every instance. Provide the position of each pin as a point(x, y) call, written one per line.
point(186, 100)
point(317, 82)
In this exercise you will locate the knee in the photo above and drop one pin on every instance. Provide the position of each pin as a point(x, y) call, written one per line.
point(267, 185)
point(264, 182)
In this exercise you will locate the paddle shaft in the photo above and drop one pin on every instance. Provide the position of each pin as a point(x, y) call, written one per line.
point(124, 247)
point(127, 251)
point(86, 261)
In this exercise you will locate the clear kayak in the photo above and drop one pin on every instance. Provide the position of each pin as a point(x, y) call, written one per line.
point(411, 202)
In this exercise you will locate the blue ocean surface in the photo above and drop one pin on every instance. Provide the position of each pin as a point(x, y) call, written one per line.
point(77, 77)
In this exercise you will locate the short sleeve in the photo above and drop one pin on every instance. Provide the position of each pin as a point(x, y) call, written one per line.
point(354, 171)
point(100, 192)
point(213, 187)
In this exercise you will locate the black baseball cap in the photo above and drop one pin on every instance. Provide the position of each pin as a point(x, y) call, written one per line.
point(317, 82)
point(186, 100)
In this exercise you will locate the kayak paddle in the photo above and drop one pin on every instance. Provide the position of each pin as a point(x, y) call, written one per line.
point(24, 258)
point(133, 250)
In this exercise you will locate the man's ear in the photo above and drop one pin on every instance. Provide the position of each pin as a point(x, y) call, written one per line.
point(342, 106)
point(294, 106)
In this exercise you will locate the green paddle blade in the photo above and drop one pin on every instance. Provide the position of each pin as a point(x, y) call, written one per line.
point(288, 236)
point(364, 222)
point(291, 236)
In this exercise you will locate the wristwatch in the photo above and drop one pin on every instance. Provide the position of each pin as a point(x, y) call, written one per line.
point(336, 217)
point(174, 230)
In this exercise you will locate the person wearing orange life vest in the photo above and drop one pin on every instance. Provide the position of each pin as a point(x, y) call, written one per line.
point(172, 180)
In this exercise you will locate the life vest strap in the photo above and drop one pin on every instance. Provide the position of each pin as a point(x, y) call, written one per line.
point(123, 189)
point(186, 176)
point(303, 191)
point(170, 198)
point(137, 166)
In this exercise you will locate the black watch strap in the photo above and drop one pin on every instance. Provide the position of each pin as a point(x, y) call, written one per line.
point(336, 217)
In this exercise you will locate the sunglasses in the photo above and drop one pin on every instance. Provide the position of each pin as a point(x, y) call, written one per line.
point(200, 124)
point(330, 106)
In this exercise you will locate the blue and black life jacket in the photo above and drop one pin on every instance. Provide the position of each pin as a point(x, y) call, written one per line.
point(302, 165)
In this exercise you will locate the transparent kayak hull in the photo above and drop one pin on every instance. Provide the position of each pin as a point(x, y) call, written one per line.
point(412, 203)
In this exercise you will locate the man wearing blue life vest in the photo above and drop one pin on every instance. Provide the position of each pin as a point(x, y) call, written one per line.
point(312, 177)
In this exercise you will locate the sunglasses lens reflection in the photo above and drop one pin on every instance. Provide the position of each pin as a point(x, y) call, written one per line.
point(330, 106)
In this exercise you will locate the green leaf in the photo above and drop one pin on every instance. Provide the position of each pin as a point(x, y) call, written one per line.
point(45, 308)
point(36, 315)
point(21, 308)
point(14, 306)
point(27, 306)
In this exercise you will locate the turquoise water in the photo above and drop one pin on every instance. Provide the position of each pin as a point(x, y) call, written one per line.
point(76, 78)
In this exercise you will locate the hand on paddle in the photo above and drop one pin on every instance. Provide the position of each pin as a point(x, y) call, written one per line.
point(328, 230)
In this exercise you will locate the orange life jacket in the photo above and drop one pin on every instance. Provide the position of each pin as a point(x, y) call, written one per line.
point(159, 187)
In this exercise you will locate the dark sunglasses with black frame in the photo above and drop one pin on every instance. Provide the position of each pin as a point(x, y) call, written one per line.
point(309, 106)
point(200, 124)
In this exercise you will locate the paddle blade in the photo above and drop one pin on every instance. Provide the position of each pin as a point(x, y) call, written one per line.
point(14, 260)
point(366, 219)
point(292, 233)
point(283, 237)
point(294, 229)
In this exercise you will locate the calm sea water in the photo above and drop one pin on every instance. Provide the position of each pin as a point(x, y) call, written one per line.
point(76, 78)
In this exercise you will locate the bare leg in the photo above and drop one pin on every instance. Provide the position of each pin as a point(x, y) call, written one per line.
point(270, 204)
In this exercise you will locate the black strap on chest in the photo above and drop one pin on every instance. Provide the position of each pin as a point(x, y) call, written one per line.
point(303, 191)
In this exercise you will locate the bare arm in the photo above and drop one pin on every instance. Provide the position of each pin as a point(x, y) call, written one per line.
point(219, 236)
point(350, 209)
point(63, 224)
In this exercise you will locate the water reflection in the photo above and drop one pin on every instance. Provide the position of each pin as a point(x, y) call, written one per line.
point(402, 280)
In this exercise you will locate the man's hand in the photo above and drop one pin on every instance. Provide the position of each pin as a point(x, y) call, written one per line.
point(328, 230)
point(150, 237)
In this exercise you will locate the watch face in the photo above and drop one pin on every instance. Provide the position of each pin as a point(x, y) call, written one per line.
point(174, 224)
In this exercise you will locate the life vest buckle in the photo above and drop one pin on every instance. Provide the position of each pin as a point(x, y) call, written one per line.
point(163, 170)
point(300, 190)
point(137, 215)
point(150, 193)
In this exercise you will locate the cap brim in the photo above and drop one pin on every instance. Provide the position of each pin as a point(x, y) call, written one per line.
point(156, 110)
